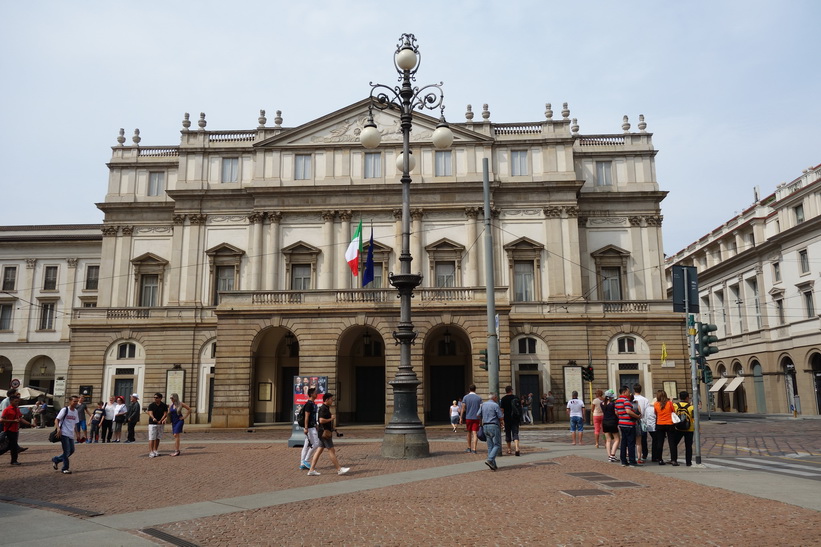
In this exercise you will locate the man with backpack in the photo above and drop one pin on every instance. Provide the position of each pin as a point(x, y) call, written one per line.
point(685, 428)
point(307, 419)
point(512, 409)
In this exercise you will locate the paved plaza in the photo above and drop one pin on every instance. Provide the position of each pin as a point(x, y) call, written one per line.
point(243, 487)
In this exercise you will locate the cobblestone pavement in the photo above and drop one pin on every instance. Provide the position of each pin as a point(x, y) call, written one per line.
point(524, 503)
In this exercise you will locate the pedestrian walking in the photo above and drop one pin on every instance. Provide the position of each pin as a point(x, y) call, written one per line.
point(12, 418)
point(664, 429)
point(157, 415)
point(65, 424)
point(576, 408)
point(512, 410)
point(610, 424)
point(627, 427)
point(492, 419)
point(132, 417)
point(454, 415)
point(177, 413)
point(529, 409)
point(550, 402)
point(326, 438)
point(309, 428)
point(684, 406)
point(470, 417)
point(108, 420)
point(642, 408)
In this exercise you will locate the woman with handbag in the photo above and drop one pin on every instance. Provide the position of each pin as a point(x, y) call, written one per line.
point(325, 428)
point(664, 428)
point(178, 412)
point(119, 418)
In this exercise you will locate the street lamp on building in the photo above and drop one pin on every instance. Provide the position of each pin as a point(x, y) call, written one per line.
point(405, 435)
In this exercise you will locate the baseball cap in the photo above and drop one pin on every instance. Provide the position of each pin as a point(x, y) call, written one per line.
point(135, 395)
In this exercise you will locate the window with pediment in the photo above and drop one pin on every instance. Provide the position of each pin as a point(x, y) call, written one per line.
point(524, 269)
point(611, 272)
point(149, 275)
point(300, 266)
point(381, 259)
point(445, 263)
point(224, 262)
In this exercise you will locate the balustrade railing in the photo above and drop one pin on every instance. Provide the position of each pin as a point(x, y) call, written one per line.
point(517, 128)
point(247, 135)
point(604, 140)
point(158, 151)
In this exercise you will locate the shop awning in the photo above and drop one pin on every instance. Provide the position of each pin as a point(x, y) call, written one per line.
point(734, 384)
point(718, 385)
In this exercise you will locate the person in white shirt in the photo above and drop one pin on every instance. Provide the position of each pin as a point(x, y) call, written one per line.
point(641, 428)
point(65, 423)
point(576, 408)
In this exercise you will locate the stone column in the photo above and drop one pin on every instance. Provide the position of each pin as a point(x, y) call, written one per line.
point(570, 248)
point(326, 272)
point(255, 250)
point(122, 263)
point(175, 259)
point(71, 285)
point(471, 265)
point(105, 292)
point(31, 265)
point(343, 276)
point(272, 253)
point(418, 263)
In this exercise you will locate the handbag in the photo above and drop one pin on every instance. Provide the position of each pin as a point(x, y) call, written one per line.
point(327, 434)
point(675, 418)
point(481, 434)
point(53, 438)
point(119, 418)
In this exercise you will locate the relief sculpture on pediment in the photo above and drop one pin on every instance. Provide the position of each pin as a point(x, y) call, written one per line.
point(389, 127)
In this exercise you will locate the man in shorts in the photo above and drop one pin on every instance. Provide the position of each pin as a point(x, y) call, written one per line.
point(513, 413)
point(325, 423)
point(576, 408)
point(470, 417)
point(157, 415)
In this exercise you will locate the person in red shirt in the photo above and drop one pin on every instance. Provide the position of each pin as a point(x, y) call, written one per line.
point(11, 419)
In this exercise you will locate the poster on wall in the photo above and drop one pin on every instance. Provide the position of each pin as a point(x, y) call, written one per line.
point(300, 390)
point(572, 382)
point(174, 383)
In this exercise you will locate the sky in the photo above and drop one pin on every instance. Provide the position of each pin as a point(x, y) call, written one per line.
point(729, 89)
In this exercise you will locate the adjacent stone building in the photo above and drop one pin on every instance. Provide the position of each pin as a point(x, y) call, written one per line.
point(756, 277)
point(222, 270)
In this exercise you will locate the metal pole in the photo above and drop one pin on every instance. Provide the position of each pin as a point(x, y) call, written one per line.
point(693, 368)
point(490, 284)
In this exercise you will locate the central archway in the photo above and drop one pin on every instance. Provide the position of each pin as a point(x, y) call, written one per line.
point(447, 362)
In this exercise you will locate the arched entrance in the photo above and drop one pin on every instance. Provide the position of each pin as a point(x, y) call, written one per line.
point(41, 374)
point(816, 374)
point(722, 397)
point(361, 380)
point(739, 395)
point(447, 365)
point(5, 372)
point(275, 365)
point(790, 385)
point(758, 382)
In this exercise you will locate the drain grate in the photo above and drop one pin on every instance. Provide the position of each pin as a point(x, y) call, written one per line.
point(620, 484)
point(584, 493)
point(173, 540)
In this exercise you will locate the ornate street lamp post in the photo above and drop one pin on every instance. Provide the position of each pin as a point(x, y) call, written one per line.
point(405, 435)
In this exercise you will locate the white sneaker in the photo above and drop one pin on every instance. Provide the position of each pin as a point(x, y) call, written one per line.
point(150, 454)
point(313, 473)
point(343, 470)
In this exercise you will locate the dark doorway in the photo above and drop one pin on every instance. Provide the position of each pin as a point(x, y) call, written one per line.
point(816, 372)
point(285, 393)
point(210, 396)
point(529, 383)
point(124, 387)
point(447, 383)
point(370, 395)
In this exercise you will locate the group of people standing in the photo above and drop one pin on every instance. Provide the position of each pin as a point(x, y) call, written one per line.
point(629, 420)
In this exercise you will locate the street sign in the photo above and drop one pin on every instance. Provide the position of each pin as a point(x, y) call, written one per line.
point(15, 384)
point(682, 287)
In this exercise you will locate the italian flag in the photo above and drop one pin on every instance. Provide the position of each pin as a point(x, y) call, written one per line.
point(354, 250)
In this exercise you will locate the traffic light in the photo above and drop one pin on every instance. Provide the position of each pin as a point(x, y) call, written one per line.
point(587, 373)
point(705, 339)
point(707, 375)
point(483, 359)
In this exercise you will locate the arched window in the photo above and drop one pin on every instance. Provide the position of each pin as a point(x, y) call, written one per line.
point(527, 345)
point(627, 344)
point(126, 350)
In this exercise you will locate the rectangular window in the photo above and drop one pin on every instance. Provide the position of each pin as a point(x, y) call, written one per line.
point(445, 274)
point(156, 183)
point(5, 316)
point(373, 165)
point(224, 281)
point(149, 290)
point(518, 163)
point(444, 163)
point(752, 284)
point(604, 175)
point(804, 261)
point(90, 304)
point(301, 277)
point(799, 213)
point(92, 278)
point(230, 170)
point(523, 281)
point(776, 271)
point(126, 351)
point(809, 303)
point(9, 278)
point(779, 310)
point(47, 316)
point(50, 278)
point(611, 283)
point(302, 167)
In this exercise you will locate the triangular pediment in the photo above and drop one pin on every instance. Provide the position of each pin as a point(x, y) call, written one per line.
point(445, 244)
point(149, 259)
point(610, 250)
point(344, 126)
point(377, 247)
point(300, 247)
point(523, 244)
point(224, 249)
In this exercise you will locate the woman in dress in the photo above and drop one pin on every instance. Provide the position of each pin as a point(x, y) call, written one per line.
point(120, 409)
point(664, 428)
point(454, 415)
point(598, 415)
point(178, 412)
point(610, 425)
